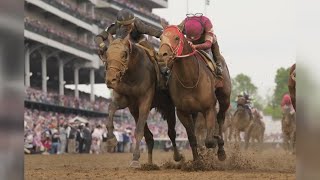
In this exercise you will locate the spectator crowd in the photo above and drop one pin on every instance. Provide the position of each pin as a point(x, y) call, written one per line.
point(52, 32)
point(68, 100)
point(71, 9)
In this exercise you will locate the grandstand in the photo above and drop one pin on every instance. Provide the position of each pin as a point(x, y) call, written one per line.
point(59, 46)
point(60, 50)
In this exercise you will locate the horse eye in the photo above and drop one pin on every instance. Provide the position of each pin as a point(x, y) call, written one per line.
point(124, 56)
point(177, 38)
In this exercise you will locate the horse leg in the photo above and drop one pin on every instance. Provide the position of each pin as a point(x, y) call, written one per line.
point(230, 132)
point(285, 142)
point(150, 142)
point(224, 103)
point(111, 139)
point(187, 122)
point(172, 135)
point(118, 102)
point(200, 129)
point(144, 108)
point(247, 136)
point(210, 117)
point(294, 142)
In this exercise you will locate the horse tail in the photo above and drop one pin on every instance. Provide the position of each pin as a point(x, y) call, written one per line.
point(164, 105)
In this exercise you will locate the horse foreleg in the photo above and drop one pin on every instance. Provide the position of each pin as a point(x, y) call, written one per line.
point(187, 122)
point(111, 139)
point(144, 108)
point(223, 96)
point(247, 136)
point(172, 135)
point(150, 142)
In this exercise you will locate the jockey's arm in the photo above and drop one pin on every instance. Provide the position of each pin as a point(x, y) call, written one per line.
point(209, 37)
point(100, 38)
point(146, 29)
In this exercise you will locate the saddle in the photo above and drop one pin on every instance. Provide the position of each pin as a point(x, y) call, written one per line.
point(212, 66)
point(149, 49)
point(208, 60)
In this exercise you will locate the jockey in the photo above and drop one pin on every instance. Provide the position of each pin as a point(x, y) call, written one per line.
point(199, 32)
point(286, 101)
point(126, 23)
point(247, 103)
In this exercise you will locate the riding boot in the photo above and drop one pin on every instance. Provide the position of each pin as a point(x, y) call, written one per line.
point(217, 57)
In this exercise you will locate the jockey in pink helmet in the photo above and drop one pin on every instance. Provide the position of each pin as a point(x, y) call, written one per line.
point(199, 31)
point(286, 101)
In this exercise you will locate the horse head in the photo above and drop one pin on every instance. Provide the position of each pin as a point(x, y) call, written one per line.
point(116, 60)
point(173, 45)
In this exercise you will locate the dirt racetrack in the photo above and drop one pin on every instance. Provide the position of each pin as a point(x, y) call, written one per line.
point(268, 164)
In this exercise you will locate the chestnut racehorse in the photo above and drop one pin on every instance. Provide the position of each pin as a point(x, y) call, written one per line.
point(193, 88)
point(292, 85)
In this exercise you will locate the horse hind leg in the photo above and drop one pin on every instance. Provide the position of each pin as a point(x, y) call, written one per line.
point(210, 117)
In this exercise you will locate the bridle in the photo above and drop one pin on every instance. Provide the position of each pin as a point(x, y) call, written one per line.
point(122, 69)
point(177, 50)
point(177, 53)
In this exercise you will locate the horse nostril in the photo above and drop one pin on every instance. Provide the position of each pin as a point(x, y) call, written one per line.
point(165, 54)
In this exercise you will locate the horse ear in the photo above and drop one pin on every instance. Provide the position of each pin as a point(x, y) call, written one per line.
point(163, 23)
point(110, 38)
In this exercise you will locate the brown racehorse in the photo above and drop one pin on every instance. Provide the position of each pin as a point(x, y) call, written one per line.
point(192, 87)
point(241, 122)
point(132, 76)
point(258, 127)
point(289, 128)
point(292, 85)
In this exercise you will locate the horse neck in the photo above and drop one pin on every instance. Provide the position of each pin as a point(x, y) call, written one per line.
point(242, 112)
point(186, 67)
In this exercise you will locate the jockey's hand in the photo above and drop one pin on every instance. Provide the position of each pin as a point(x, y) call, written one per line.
point(102, 48)
point(192, 45)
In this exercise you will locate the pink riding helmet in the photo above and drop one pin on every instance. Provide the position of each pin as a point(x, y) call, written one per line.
point(193, 28)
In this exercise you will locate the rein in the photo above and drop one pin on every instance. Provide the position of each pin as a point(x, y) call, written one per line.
point(196, 84)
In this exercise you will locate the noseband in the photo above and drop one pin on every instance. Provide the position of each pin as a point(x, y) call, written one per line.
point(122, 69)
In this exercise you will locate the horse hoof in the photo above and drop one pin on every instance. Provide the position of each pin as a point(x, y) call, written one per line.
point(112, 142)
point(177, 157)
point(211, 143)
point(222, 155)
point(135, 164)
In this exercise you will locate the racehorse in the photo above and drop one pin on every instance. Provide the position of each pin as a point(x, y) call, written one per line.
point(258, 127)
point(289, 128)
point(292, 85)
point(193, 88)
point(242, 122)
point(132, 75)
